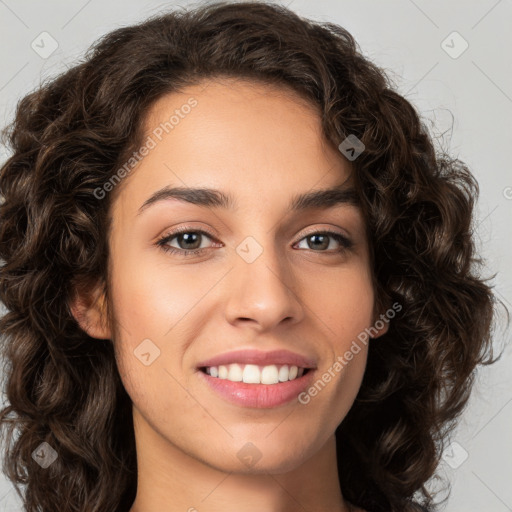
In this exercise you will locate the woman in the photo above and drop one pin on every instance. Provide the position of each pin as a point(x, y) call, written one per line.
point(313, 345)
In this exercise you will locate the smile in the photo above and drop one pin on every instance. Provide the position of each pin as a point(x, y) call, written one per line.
point(254, 395)
point(254, 374)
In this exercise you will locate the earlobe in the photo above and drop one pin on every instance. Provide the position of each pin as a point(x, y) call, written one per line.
point(383, 330)
point(381, 326)
point(89, 308)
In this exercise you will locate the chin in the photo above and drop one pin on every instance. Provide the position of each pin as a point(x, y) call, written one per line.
point(260, 456)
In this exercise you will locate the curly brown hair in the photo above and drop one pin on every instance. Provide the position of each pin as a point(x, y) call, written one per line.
point(68, 138)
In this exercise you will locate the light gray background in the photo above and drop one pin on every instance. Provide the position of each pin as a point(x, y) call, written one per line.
point(405, 37)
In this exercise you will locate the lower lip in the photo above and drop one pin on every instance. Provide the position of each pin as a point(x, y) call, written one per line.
point(261, 396)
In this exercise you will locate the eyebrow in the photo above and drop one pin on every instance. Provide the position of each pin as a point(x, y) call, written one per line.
point(212, 198)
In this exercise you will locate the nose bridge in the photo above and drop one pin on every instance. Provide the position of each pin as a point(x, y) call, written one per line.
point(262, 287)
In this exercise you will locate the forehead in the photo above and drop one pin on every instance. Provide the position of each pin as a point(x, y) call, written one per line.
point(226, 95)
point(255, 140)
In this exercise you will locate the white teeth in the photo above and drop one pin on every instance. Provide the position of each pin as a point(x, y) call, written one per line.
point(235, 373)
point(223, 372)
point(254, 374)
point(269, 375)
point(284, 373)
point(251, 374)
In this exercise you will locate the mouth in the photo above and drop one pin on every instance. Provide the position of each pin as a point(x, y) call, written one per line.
point(256, 374)
point(250, 386)
point(255, 378)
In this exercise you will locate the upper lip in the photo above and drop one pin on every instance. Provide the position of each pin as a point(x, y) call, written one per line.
point(259, 357)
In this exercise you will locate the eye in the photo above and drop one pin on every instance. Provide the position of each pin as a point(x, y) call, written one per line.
point(322, 239)
point(187, 237)
point(189, 241)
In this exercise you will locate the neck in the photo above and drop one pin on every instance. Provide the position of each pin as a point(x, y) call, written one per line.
point(172, 480)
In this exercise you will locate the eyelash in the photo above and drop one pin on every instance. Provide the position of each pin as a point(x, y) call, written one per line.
point(345, 243)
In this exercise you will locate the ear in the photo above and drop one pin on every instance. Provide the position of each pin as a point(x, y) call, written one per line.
point(381, 322)
point(89, 308)
point(383, 329)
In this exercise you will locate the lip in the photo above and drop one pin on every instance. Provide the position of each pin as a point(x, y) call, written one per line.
point(260, 396)
point(260, 358)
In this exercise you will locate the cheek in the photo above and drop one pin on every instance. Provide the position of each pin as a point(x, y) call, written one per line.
point(344, 303)
point(150, 300)
point(157, 311)
point(343, 306)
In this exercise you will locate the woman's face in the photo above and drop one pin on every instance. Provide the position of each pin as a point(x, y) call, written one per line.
point(262, 281)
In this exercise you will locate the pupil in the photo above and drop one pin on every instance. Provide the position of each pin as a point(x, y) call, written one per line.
point(322, 245)
point(187, 236)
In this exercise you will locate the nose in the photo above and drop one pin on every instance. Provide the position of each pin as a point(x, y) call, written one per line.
point(262, 293)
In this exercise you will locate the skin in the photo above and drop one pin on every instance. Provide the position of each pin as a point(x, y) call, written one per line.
point(263, 145)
